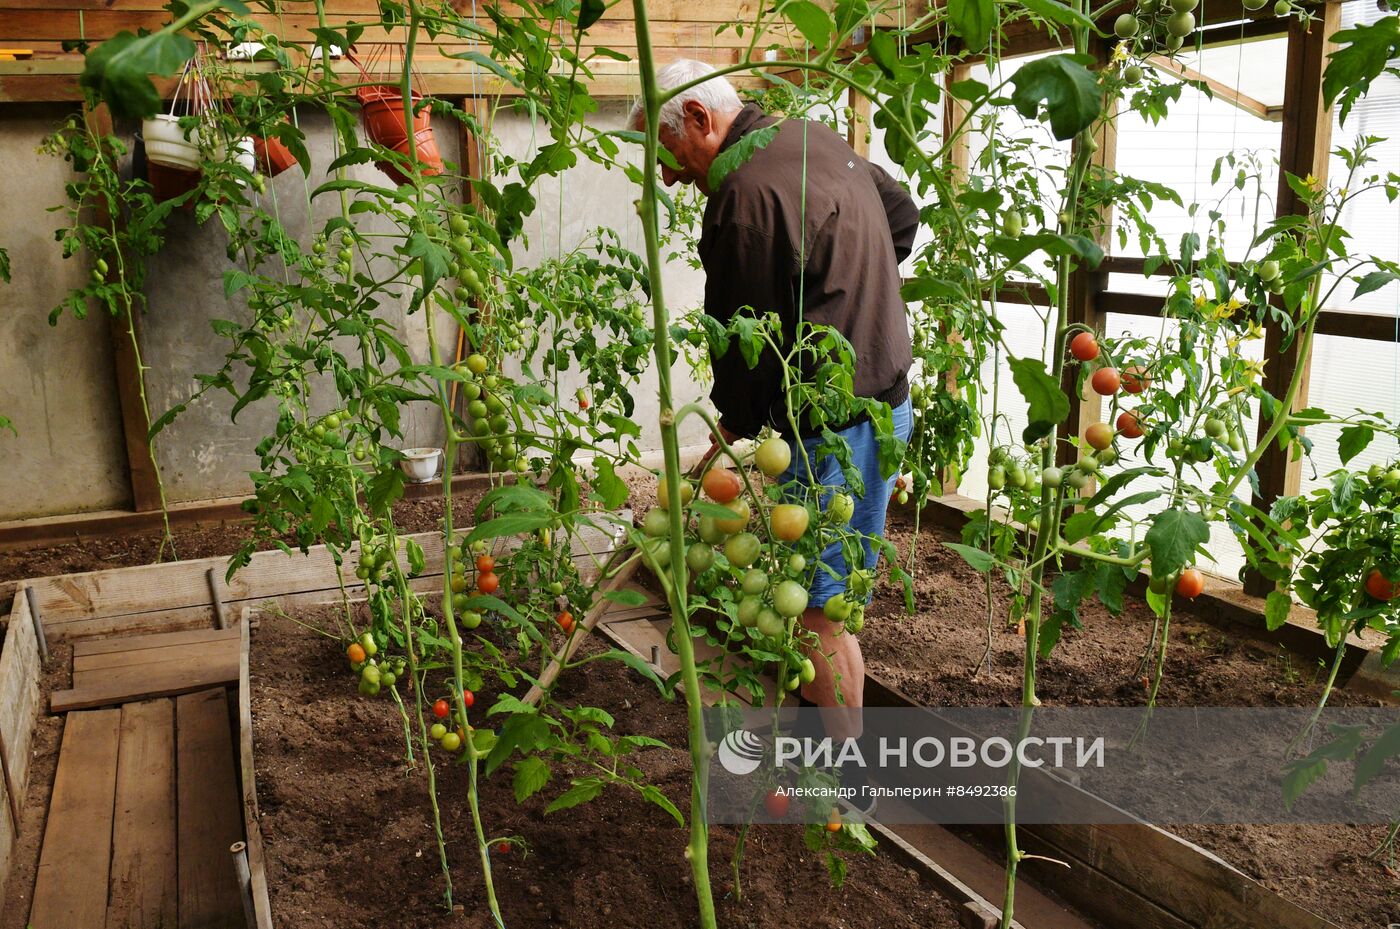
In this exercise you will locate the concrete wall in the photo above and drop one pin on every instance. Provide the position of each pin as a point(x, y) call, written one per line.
point(202, 454)
point(56, 383)
point(569, 208)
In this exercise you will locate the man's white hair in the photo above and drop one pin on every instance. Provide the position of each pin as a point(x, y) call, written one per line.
point(717, 95)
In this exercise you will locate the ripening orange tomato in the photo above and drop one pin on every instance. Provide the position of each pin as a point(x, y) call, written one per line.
point(1380, 588)
point(1099, 435)
point(1135, 379)
point(356, 653)
point(1190, 583)
point(721, 484)
point(485, 564)
point(488, 582)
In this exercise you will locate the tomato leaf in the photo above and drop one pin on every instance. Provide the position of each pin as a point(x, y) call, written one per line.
point(119, 70)
point(974, 21)
point(1048, 403)
point(1373, 762)
point(584, 790)
point(1057, 12)
point(416, 560)
point(1066, 86)
point(1364, 54)
point(1276, 609)
point(977, 559)
point(740, 152)
point(608, 488)
point(653, 794)
point(1173, 538)
point(531, 774)
point(1052, 243)
point(1374, 281)
point(812, 21)
point(589, 12)
point(625, 597)
point(1353, 441)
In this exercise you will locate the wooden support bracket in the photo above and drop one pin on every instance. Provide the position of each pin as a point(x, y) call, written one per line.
point(38, 625)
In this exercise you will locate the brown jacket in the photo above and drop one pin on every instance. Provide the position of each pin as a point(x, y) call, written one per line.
point(857, 224)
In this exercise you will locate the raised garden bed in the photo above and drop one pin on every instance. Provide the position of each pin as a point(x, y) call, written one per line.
point(930, 656)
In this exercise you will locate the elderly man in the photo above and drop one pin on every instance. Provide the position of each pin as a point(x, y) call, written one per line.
point(810, 230)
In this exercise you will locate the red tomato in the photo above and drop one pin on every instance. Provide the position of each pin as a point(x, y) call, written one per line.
point(485, 564)
point(1105, 381)
point(1190, 583)
point(1135, 379)
point(776, 803)
point(468, 699)
point(565, 621)
point(1380, 588)
point(1128, 425)
point(721, 484)
point(503, 847)
point(441, 709)
point(356, 653)
point(488, 582)
point(1084, 346)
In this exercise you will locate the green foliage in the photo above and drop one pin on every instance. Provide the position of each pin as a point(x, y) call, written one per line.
point(1064, 83)
point(1364, 53)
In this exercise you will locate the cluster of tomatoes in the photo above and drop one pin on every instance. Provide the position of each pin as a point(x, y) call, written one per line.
point(345, 255)
point(452, 739)
point(471, 556)
point(374, 675)
point(488, 414)
point(767, 582)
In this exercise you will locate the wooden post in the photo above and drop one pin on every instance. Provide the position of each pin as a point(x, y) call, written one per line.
point(858, 129)
point(1086, 284)
point(1306, 139)
point(959, 159)
point(136, 425)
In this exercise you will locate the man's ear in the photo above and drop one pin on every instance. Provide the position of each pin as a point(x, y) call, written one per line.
point(695, 111)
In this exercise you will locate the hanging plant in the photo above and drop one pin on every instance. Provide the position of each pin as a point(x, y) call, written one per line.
point(382, 109)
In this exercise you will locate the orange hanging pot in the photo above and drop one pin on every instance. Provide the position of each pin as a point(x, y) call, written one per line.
point(383, 114)
point(273, 157)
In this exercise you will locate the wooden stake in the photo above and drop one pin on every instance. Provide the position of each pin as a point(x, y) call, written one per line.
point(220, 612)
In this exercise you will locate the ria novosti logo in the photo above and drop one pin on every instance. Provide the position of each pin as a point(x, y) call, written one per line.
point(741, 752)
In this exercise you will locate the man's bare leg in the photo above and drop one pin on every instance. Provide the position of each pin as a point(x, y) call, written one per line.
point(839, 665)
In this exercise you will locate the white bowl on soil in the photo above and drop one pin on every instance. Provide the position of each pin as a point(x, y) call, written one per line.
point(421, 464)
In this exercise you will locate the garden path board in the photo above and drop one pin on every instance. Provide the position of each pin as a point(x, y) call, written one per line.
point(112, 671)
point(139, 788)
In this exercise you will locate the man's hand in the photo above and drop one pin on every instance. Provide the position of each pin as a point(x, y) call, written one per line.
point(705, 459)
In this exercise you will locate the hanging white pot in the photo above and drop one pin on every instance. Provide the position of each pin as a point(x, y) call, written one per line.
point(166, 143)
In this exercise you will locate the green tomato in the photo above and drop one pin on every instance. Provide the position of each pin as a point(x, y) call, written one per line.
point(770, 623)
point(1283, 8)
point(1132, 74)
point(790, 598)
point(388, 678)
point(1088, 464)
point(840, 509)
point(1268, 270)
point(476, 364)
point(1013, 223)
point(1392, 478)
point(657, 523)
point(1052, 477)
point(1173, 43)
point(1125, 26)
point(808, 671)
point(469, 619)
point(856, 621)
point(748, 611)
point(658, 551)
point(368, 644)
point(860, 582)
point(710, 533)
point(796, 564)
point(1181, 25)
point(1077, 479)
point(1016, 476)
point(792, 683)
point(773, 456)
point(996, 477)
point(755, 582)
point(451, 742)
point(1215, 428)
point(837, 608)
point(699, 557)
point(437, 731)
point(1108, 456)
point(458, 224)
point(742, 550)
point(1184, 6)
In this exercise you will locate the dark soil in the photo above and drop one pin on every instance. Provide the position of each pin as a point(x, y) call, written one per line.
point(192, 542)
point(349, 842)
point(930, 657)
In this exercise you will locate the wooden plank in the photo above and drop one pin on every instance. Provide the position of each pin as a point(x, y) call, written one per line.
point(589, 621)
point(1307, 138)
point(1204, 890)
point(132, 643)
point(19, 694)
point(208, 811)
point(143, 881)
point(146, 657)
point(257, 864)
point(70, 889)
point(125, 684)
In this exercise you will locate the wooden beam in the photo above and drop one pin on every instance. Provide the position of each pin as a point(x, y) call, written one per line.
point(1218, 89)
point(858, 129)
point(1307, 138)
point(125, 333)
point(1086, 284)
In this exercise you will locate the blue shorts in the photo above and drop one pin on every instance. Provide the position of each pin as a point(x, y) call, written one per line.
point(870, 509)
